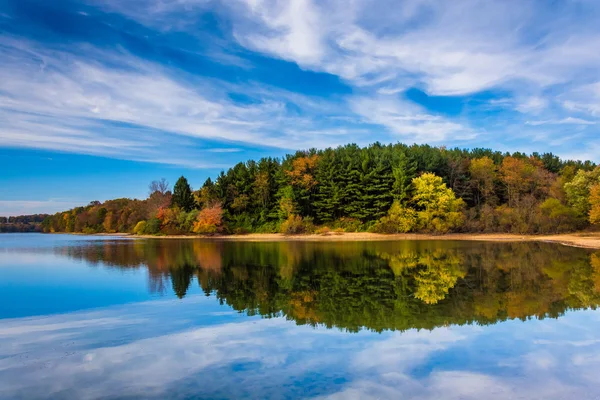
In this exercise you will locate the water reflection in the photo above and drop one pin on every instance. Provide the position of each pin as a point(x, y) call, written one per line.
point(194, 349)
point(261, 331)
point(377, 286)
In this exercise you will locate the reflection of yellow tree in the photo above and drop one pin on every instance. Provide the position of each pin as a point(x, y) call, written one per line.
point(303, 306)
point(289, 258)
point(400, 262)
point(438, 270)
point(442, 270)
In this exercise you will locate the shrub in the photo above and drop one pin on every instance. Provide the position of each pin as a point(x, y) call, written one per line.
point(338, 231)
point(268, 227)
point(152, 226)
point(481, 219)
point(169, 220)
point(348, 224)
point(240, 224)
point(209, 220)
point(400, 219)
point(186, 220)
point(295, 225)
point(89, 230)
point(140, 228)
point(324, 230)
point(557, 217)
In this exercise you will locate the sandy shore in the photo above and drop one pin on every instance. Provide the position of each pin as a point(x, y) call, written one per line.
point(586, 240)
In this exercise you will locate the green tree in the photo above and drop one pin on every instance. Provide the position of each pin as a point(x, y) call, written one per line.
point(403, 171)
point(595, 204)
point(578, 190)
point(182, 195)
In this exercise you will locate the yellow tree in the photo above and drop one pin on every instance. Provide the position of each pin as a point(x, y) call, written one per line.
point(525, 176)
point(483, 174)
point(438, 208)
point(108, 222)
point(302, 172)
point(595, 204)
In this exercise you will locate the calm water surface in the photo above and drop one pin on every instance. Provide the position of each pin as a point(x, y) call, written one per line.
point(119, 318)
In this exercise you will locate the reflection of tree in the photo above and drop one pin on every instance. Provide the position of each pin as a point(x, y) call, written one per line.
point(378, 286)
point(442, 270)
point(181, 278)
point(435, 270)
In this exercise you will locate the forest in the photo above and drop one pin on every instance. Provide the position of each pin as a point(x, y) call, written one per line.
point(393, 188)
point(22, 223)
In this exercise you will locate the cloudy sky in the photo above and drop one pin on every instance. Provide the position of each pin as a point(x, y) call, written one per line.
point(99, 97)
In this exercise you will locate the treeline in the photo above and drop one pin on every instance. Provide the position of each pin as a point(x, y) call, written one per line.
point(22, 223)
point(379, 188)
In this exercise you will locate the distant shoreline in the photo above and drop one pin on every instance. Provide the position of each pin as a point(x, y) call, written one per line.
point(589, 240)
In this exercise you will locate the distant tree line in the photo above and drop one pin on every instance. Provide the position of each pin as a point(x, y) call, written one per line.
point(22, 223)
point(379, 188)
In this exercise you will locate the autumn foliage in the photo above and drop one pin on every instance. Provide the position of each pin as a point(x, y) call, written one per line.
point(209, 220)
point(595, 204)
point(381, 188)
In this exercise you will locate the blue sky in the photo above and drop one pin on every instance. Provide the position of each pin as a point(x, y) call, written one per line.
point(99, 97)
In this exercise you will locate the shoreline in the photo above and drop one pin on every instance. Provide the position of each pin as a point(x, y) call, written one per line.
point(589, 240)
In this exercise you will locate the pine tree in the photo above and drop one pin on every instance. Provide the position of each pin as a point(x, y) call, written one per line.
point(182, 195)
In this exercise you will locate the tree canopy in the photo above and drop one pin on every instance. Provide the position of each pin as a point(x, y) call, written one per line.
point(182, 195)
point(380, 188)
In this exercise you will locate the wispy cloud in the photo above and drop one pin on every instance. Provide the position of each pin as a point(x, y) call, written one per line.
point(564, 121)
point(533, 63)
point(409, 121)
point(28, 207)
point(115, 104)
point(533, 54)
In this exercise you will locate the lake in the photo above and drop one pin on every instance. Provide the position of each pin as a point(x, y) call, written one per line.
point(87, 317)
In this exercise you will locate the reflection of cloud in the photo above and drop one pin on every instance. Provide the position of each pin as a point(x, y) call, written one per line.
point(404, 350)
point(506, 359)
point(177, 348)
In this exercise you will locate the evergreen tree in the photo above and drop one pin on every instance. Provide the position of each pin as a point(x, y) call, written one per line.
point(403, 171)
point(182, 195)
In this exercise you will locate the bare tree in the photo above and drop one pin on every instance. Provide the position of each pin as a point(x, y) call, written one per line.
point(161, 186)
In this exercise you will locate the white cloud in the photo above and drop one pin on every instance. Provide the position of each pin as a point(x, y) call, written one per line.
point(531, 53)
point(539, 59)
point(564, 121)
point(452, 47)
point(293, 30)
point(584, 98)
point(113, 104)
point(533, 105)
point(409, 121)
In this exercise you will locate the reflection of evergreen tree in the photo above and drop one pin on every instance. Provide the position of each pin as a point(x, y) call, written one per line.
point(181, 278)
